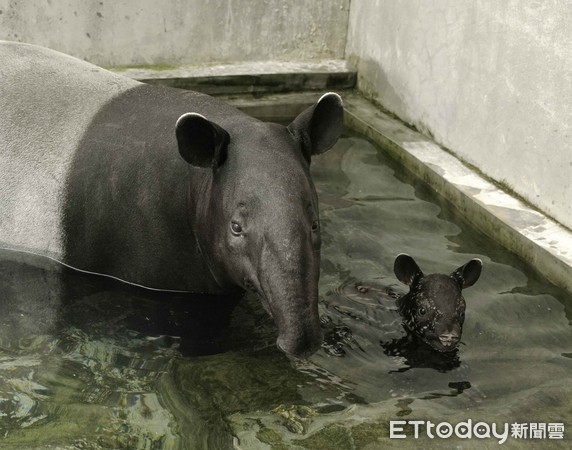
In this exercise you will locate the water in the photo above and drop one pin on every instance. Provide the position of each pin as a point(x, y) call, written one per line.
point(88, 364)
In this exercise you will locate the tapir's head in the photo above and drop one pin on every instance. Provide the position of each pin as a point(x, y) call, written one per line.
point(259, 225)
point(434, 308)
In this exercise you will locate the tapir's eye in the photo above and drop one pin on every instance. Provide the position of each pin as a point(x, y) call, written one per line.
point(315, 225)
point(421, 311)
point(235, 228)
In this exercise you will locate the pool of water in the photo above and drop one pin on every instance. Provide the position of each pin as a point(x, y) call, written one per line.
point(90, 364)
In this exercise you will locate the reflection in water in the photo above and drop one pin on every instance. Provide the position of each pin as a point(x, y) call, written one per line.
point(92, 352)
point(418, 354)
point(86, 363)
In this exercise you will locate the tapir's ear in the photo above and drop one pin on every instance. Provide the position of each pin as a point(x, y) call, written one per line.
point(468, 274)
point(319, 127)
point(406, 269)
point(202, 143)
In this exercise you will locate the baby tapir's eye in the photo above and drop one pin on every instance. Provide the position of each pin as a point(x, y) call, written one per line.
point(421, 311)
point(235, 228)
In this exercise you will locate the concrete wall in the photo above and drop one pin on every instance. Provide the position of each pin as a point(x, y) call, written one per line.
point(171, 32)
point(490, 80)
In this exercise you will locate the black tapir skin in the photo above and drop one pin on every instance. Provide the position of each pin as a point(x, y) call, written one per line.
point(160, 187)
point(434, 308)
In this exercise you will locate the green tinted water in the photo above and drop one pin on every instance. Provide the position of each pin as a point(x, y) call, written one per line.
point(94, 365)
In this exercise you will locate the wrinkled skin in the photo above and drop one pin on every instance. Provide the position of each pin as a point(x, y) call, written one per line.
point(434, 308)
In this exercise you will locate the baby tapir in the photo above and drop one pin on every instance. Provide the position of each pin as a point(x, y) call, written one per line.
point(434, 308)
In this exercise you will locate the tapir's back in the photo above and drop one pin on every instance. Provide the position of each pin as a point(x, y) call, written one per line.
point(47, 100)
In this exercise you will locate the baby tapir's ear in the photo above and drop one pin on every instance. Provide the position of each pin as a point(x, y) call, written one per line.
point(202, 143)
point(468, 274)
point(320, 126)
point(406, 269)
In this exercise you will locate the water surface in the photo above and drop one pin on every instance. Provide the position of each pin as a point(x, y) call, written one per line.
point(90, 364)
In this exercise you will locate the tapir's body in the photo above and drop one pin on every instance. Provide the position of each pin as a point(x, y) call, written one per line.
point(137, 227)
point(92, 176)
point(92, 163)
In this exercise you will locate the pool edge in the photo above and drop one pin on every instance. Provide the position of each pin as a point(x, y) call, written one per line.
point(525, 231)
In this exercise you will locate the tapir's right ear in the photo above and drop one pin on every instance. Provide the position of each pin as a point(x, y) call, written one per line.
point(202, 143)
point(406, 269)
point(320, 126)
point(468, 274)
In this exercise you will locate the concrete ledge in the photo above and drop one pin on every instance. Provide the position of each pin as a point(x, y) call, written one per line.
point(277, 108)
point(253, 78)
point(545, 244)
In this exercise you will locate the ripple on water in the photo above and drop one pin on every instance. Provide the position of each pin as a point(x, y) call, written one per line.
point(86, 364)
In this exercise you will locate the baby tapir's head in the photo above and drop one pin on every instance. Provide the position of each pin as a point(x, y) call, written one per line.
point(434, 307)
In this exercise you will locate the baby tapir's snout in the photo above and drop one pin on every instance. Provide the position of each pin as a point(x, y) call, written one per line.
point(434, 308)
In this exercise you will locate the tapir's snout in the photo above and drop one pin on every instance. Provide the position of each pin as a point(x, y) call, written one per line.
point(303, 343)
point(298, 321)
point(449, 339)
point(287, 278)
point(299, 328)
point(446, 339)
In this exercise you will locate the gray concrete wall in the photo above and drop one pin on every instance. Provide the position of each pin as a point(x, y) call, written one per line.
point(489, 80)
point(171, 32)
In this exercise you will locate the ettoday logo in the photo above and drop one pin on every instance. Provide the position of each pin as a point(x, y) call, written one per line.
point(478, 430)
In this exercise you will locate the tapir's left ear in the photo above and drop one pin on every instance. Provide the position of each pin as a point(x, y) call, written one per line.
point(320, 126)
point(468, 274)
point(202, 143)
point(406, 269)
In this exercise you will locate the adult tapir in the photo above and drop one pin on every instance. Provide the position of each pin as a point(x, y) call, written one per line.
point(160, 187)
